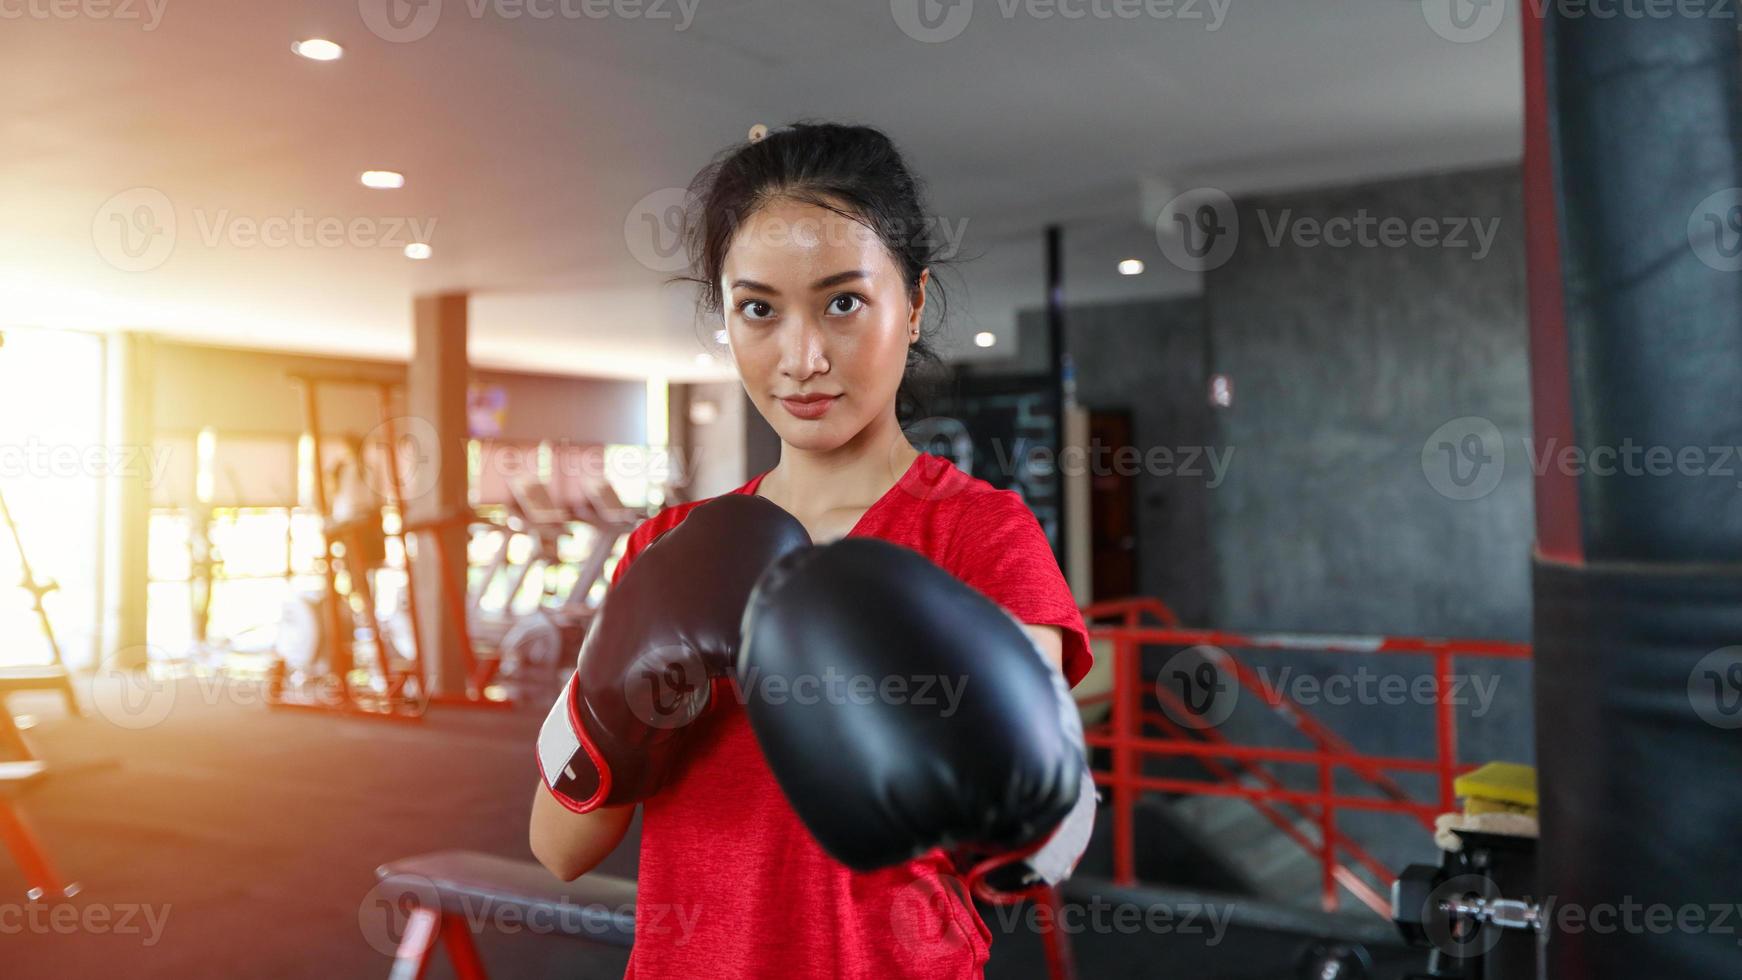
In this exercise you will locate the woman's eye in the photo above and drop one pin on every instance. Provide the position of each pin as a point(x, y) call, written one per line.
point(853, 304)
point(755, 309)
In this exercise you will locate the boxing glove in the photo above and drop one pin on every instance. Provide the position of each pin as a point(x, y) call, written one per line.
point(901, 710)
point(667, 628)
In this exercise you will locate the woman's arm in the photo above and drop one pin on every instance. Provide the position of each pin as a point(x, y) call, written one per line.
point(571, 844)
point(1051, 641)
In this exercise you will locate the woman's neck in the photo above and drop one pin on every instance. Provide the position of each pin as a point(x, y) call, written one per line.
point(851, 476)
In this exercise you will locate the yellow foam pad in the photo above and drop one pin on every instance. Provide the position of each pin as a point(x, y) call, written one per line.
point(1500, 782)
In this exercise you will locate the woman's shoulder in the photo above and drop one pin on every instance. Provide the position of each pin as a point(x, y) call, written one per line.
point(940, 480)
point(969, 498)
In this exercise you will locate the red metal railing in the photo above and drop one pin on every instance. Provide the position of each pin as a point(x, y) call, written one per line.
point(1125, 735)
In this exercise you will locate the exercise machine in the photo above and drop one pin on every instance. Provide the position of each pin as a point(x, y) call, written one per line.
point(551, 634)
point(319, 632)
point(52, 676)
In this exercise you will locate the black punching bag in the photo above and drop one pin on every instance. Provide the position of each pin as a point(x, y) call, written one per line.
point(1633, 190)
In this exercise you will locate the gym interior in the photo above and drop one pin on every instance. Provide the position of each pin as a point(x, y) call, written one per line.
point(1373, 370)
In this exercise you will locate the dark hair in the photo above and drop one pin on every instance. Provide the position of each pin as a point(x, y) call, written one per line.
point(854, 171)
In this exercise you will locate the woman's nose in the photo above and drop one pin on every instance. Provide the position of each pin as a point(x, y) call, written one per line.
point(802, 350)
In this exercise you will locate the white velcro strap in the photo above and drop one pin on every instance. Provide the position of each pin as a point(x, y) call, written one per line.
point(559, 744)
point(1058, 857)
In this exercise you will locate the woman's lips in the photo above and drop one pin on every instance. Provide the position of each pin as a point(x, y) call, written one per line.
point(809, 408)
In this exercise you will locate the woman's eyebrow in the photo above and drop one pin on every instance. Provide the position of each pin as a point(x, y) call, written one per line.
point(823, 283)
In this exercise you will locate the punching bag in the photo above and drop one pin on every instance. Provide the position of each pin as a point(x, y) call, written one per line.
point(1633, 195)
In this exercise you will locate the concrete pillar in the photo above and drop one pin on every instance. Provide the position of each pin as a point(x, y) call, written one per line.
point(436, 484)
point(126, 500)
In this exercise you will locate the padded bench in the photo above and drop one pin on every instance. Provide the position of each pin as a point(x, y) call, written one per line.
point(446, 892)
point(47, 677)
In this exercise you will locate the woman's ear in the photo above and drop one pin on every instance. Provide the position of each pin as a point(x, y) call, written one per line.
point(916, 311)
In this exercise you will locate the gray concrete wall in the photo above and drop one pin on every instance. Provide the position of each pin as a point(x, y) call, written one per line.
point(1346, 362)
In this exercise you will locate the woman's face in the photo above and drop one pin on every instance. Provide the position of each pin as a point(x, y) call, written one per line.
point(819, 321)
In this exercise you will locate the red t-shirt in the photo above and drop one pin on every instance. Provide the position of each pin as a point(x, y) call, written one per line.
point(731, 884)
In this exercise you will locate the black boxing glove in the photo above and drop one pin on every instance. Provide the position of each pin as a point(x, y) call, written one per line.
point(664, 632)
point(931, 719)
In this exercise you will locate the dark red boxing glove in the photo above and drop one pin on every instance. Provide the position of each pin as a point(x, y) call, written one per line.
point(668, 628)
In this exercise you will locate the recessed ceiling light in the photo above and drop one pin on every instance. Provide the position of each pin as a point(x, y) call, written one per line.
point(985, 338)
point(418, 250)
point(383, 179)
point(318, 49)
point(1131, 267)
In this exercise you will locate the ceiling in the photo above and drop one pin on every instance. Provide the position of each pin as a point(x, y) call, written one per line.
point(537, 139)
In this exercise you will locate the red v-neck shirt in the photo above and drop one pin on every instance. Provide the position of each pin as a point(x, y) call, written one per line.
point(732, 885)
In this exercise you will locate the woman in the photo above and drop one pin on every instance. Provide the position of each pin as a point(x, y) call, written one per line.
point(808, 242)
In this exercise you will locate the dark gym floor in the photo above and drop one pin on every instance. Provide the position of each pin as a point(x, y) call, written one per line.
point(235, 840)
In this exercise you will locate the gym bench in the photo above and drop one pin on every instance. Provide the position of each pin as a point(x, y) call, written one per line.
point(442, 894)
